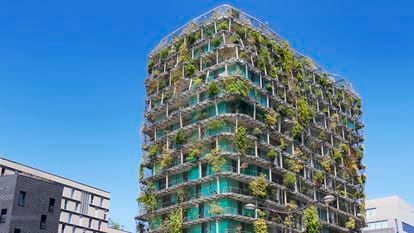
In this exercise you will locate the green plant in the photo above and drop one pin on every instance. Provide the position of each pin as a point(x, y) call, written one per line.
point(258, 186)
point(184, 55)
point(323, 80)
point(197, 81)
point(344, 148)
point(241, 139)
point(296, 129)
point(270, 119)
point(263, 57)
point(289, 179)
point(283, 145)
point(175, 221)
point(179, 137)
point(190, 69)
point(166, 159)
point(326, 164)
point(180, 195)
point(318, 178)
point(287, 55)
point(273, 72)
point(350, 224)
point(257, 132)
point(153, 151)
point(260, 226)
point(311, 220)
point(216, 160)
point(294, 165)
point(215, 209)
point(271, 154)
point(223, 25)
point(194, 153)
point(216, 124)
point(148, 197)
point(234, 39)
point(236, 86)
point(337, 155)
point(213, 89)
point(151, 64)
point(216, 42)
point(305, 114)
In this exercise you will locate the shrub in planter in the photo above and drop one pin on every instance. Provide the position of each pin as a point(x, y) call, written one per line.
point(179, 137)
point(189, 69)
point(216, 42)
point(258, 186)
point(270, 119)
point(216, 160)
point(311, 220)
point(257, 132)
point(241, 139)
point(271, 154)
point(236, 86)
point(175, 221)
point(350, 224)
point(260, 226)
point(213, 89)
point(153, 151)
point(318, 178)
point(223, 25)
point(289, 179)
point(215, 209)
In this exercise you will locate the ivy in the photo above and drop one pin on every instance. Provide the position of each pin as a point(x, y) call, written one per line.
point(184, 55)
point(258, 186)
point(311, 220)
point(148, 197)
point(166, 159)
point(287, 55)
point(241, 139)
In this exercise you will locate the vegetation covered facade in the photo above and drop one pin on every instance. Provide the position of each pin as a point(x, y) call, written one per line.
point(235, 116)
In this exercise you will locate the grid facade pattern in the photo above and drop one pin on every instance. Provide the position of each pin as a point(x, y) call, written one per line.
point(230, 104)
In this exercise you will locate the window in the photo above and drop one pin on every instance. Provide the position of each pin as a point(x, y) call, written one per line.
point(22, 198)
point(43, 219)
point(65, 206)
point(73, 229)
point(77, 207)
point(372, 212)
point(90, 223)
point(101, 202)
point(17, 230)
point(92, 198)
point(377, 225)
point(99, 225)
point(63, 228)
point(407, 227)
point(3, 214)
point(72, 193)
point(70, 218)
point(52, 205)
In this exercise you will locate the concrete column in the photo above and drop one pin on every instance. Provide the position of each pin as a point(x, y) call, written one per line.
point(166, 180)
point(218, 184)
point(255, 149)
point(200, 170)
point(238, 164)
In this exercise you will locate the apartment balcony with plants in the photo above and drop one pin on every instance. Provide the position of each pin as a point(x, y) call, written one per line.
point(234, 116)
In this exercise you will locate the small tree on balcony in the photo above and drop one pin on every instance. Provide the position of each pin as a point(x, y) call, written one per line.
point(289, 179)
point(166, 159)
point(148, 197)
point(175, 221)
point(318, 178)
point(350, 224)
point(216, 160)
point(153, 151)
point(179, 137)
point(236, 86)
point(215, 209)
point(270, 119)
point(213, 89)
point(260, 225)
point(258, 186)
point(271, 154)
point(311, 220)
point(241, 139)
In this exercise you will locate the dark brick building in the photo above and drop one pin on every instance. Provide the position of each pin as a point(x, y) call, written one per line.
point(29, 205)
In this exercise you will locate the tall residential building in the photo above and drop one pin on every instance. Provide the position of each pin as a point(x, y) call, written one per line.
point(244, 134)
point(389, 215)
point(80, 208)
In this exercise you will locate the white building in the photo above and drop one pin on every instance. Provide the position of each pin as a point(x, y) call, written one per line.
point(389, 215)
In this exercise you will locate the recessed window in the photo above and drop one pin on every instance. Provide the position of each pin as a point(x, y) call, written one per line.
point(372, 212)
point(65, 206)
point(22, 198)
point(43, 219)
point(3, 214)
point(17, 230)
point(52, 205)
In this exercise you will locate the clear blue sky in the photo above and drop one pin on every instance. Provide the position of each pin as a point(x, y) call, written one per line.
point(72, 72)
